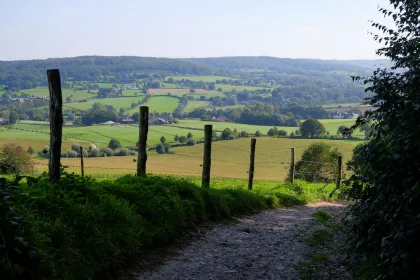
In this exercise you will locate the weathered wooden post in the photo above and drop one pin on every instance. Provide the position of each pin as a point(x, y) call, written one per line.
point(292, 166)
point(205, 182)
point(82, 164)
point(56, 124)
point(251, 164)
point(143, 130)
point(340, 170)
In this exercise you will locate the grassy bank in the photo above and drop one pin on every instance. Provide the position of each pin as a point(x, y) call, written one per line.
point(84, 229)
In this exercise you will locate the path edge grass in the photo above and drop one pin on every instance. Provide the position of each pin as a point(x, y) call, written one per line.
point(89, 229)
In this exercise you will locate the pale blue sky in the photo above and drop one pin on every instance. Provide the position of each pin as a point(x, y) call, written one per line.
point(327, 29)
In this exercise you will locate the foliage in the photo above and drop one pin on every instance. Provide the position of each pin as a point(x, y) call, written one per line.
point(226, 133)
point(82, 228)
point(312, 128)
point(189, 135)
point(190, 142)
point(319, 163)
point(114, 144)
point(182, 139)
point(163, 139)
point(17, 259)
point(14, 159)
point(384, 220)
point(30, 150)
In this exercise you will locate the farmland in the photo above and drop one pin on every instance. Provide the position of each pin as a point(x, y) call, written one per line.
point(159, 104)
point(201, 78)
point(230, 159)
point(43, 91)
point(121, 102)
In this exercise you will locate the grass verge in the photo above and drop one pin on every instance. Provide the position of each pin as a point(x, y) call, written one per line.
point(87, 229)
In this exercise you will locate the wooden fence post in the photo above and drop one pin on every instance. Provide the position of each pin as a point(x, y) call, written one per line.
point(340, 170)
point(251, 164)
point(292, 166)
point(56, 124)
point(205, 182)
point(143, 130)
point(82, 164)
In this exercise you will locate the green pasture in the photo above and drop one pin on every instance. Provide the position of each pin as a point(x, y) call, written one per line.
point(206, 79)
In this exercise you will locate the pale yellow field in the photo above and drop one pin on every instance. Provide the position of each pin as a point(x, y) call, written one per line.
point(229, 159)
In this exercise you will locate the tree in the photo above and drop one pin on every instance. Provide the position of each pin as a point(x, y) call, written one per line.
point(226, 133)
point(318, 163)
point(162, 139)
point(192, 90)
point(30, 150)
point(122, 110)
point(344, 131)
point(282, 133)
point(68, 99)
point(160, 148)
point(13, 117)
point(190, 142)
point(189, 135)
point(176, 138)
point(15, 160)
point(136, 117)
point(75, 147)
point(182, 139)
point(311, 128)
point(385, 171)
point(114, 144)
point(258, 133)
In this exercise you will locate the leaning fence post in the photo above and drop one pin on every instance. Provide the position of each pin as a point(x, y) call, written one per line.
point(56, 124)
point(292, 166)
point(251, 164)
point(205, 181)
point(340, 170)
point(143, 130)
point(82, 164)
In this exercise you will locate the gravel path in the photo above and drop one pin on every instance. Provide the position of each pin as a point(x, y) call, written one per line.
point(263, 246)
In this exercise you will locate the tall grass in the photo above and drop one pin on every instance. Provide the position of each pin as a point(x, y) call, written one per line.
point(86, 229)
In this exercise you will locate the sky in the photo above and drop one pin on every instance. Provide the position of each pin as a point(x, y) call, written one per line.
point(322, 29)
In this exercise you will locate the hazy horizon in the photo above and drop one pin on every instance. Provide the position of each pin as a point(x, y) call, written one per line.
point(186, 29)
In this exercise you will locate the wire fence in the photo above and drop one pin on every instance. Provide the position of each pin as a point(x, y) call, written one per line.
point(227, 159)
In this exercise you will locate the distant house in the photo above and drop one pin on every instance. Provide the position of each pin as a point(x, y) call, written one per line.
point(222, 119)
point(109, 122)
point(345, 115)
point(126, 120)
point(4, 121)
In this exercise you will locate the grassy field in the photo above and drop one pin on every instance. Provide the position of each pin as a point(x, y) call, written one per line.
point(194, 104)
point(230, 159)
point(159, 104)
point(120, 102)
point(207, 79)
point(226, 88)
point(132, 92)
point(181, 90)
point(43, 91)
point(332, 126)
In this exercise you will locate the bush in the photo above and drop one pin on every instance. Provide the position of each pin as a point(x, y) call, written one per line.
point(107, 151)
point(72, 154)
point(160, 149)
point(319, 163)
point(114, 144)
point(15, 160)
point(31, 150)
point(95, 152)
point(121, 152)
point(190, 142)
point(75, 147)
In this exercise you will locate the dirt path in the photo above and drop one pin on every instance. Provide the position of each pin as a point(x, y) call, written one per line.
point(263, 246)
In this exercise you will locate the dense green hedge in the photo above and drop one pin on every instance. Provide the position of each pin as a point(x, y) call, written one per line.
point(83, 229)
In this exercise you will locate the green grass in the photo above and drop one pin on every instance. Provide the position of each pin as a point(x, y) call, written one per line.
point(194, 104)
point(132, 92)
point(119, 102)
point(159, 104)
point(82, 228)
point(332, 126)
point(227, 88)
point(43, 91)
point(206, 79)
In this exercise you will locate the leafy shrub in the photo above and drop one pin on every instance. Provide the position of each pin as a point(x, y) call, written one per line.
point(190, 142)
point(96, 152)
point(109, 152)
point(121, 152)
point(75, 147)
point(319, 163)
point(14, 159)
point(114, 144)
point(72, 154)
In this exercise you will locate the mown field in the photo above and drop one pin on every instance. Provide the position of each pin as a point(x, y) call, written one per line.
point(206, 79)
point(128, 134)
point(230, 159)
point(43, 91)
